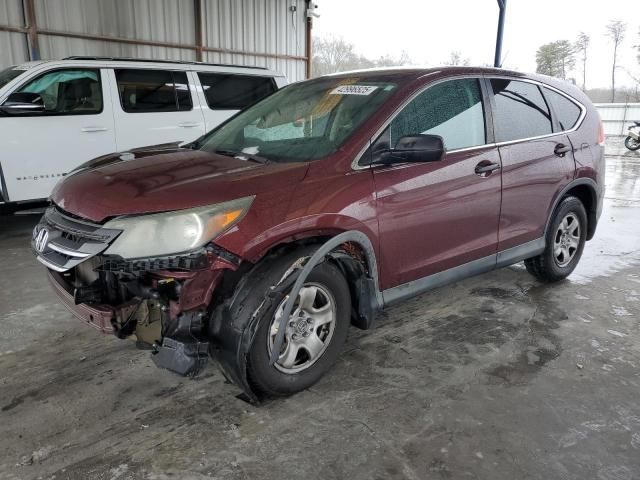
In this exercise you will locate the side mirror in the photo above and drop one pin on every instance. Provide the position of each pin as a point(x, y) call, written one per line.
point(23, 102)
point(415, 148)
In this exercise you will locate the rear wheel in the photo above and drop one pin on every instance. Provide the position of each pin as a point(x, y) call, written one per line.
point(564, 243)
point(631, 143)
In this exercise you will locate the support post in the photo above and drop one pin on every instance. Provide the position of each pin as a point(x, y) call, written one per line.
point(32, 29)
point(308, 47)
point(197, 16)
point(497, 62)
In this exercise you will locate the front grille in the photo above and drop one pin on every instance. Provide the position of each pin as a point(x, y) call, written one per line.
point(62, 242)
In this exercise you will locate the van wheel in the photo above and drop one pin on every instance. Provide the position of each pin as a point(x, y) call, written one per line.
point(564, 243)
point(314, 336)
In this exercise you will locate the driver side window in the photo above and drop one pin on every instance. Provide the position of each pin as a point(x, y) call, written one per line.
point(452, 110)
point(70, 92)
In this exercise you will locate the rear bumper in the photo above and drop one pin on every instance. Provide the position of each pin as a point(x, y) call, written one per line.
point(98, 316)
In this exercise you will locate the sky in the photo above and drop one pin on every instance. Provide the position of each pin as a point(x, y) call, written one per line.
point(428, 30)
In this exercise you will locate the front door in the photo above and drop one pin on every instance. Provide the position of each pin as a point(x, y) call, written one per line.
point(438, 215)
point(40, 148)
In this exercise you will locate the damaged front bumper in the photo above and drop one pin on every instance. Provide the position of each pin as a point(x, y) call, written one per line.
point(161, 302)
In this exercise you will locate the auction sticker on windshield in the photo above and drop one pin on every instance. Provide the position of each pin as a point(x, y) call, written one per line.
point(353, 90)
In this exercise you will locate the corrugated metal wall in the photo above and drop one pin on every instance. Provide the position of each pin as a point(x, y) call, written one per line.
point(269, 27)
point(616, 117)
point(13, 46)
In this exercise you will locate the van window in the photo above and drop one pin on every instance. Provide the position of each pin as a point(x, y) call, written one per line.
point(451, 109)
point(153, 91)
point(567, 112)
point(68, 92)
point(9, 74)
point(521, 111)
point(234, 92)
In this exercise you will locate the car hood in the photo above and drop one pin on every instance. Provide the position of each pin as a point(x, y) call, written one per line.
point(165, 178)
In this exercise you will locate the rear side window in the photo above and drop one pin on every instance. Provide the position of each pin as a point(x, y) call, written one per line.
point(234, 92)
point(567, 112)
point(521, 111)
point(67, 91)
point(153, 91)
point(450, 109)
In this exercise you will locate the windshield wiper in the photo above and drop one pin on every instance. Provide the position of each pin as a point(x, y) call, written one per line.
point(242, 156)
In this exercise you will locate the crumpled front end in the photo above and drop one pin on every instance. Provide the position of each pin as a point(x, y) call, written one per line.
point(161, 302)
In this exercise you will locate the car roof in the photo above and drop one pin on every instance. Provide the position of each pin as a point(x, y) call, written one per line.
point(410, 73)
point(416, 72)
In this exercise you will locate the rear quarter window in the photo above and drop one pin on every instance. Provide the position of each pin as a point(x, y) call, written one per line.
point(234, 92)
point(567, 112)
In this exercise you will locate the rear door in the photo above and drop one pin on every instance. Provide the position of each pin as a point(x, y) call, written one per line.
point(536, 162)
point(438, 215)
point(154, 106)
point(40, 148)
point(224, 94)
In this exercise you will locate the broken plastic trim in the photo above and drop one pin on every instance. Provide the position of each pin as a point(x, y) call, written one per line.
point(326, 248)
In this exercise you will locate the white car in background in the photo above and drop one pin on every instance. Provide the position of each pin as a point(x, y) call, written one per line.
point(56, 115)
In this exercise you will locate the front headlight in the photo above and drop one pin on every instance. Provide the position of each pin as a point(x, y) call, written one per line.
point(169, 233)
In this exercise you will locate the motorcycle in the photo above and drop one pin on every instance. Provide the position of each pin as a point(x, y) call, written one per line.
point(632, 142)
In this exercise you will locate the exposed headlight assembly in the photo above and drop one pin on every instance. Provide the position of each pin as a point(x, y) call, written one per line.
point(170, 233)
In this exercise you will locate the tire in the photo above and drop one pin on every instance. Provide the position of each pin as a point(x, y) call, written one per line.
point(284, 378)
point(631, 143)
point(559, 258)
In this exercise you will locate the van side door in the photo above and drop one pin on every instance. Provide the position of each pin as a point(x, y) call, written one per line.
point(154, 106)
point(438, 215)
point(76, 125)
point(224, 94)
point(536, 161)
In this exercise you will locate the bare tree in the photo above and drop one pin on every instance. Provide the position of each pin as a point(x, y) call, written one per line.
point(615, 31)
point(331, 55)
point(581, 45)
point(455, 59)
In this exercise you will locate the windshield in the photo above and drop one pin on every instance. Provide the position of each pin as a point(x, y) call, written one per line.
point(9, 74)
point(301, 122)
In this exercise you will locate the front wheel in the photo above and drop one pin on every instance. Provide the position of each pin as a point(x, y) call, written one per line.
point(631, 143)
point(565, 241)
point(314, 336)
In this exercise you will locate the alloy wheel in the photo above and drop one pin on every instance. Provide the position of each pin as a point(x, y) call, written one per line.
point(308, 331)
point(566, 240)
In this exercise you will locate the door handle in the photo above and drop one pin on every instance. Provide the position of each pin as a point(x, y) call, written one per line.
point(93, 129)
point(561, 149)
point(485, 168)
point(189, 124)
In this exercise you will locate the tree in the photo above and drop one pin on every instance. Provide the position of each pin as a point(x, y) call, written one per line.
point(555, 58)
point(331, 55)
point(581, 45)
point(615, 31)
point(455, 59)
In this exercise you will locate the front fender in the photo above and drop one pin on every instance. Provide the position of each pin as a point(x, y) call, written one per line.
point(234, 322)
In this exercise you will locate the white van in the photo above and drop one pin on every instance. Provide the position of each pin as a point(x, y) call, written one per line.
point(56, 115)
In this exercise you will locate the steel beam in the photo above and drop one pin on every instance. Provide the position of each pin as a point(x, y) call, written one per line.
point(497, 61)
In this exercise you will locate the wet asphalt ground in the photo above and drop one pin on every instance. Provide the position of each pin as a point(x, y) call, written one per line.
point(495, 377)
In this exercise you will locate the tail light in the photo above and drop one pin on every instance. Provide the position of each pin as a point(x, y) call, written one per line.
point(601, 134)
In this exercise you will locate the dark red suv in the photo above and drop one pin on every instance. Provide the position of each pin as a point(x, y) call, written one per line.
point(261, 242)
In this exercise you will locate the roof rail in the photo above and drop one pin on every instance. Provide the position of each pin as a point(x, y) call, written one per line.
point(184, 62)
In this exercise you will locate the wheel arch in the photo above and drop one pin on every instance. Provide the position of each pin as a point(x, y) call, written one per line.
point(585, 190)
point(352, 251)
